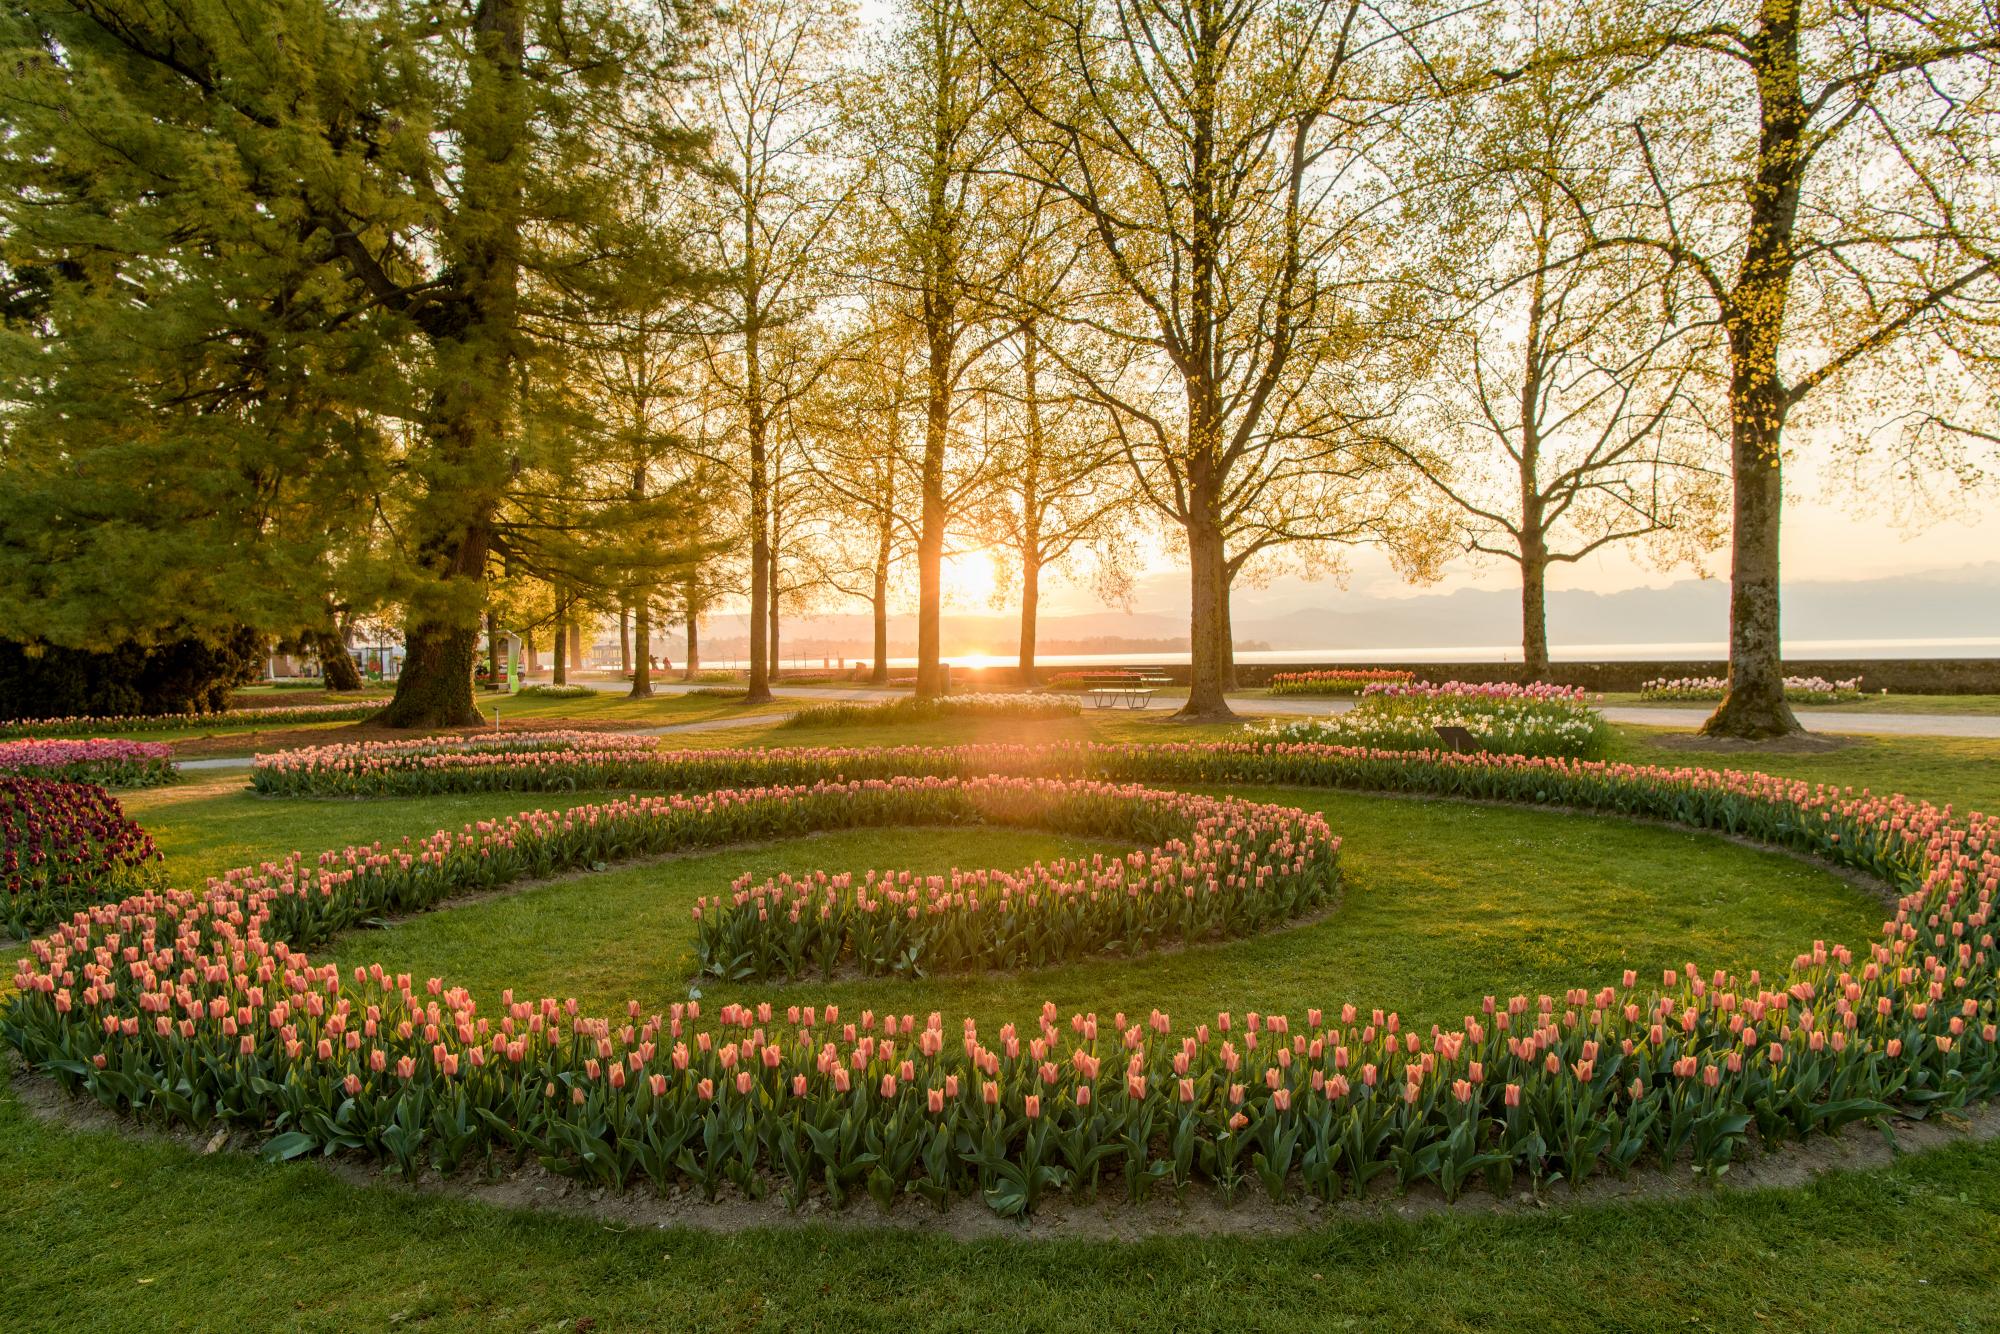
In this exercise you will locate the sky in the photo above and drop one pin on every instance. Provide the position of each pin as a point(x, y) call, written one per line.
point(1830, 534)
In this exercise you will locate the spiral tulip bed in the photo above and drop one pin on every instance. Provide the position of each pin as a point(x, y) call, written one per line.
point(202, 1006)
point(63, 848)
point(110, 763)
point(1225, 868)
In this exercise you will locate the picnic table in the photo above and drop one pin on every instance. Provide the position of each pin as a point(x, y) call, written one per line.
point(1134, 690)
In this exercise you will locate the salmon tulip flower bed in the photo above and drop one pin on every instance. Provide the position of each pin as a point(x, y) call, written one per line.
point(202, 1006)
point(109, 763)
point(1340, 681)
point(1221, 868)
point(576, 761)
point(340, 712)
point(63, 848)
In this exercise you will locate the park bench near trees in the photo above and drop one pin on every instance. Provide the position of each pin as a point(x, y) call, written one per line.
point(1131, 689)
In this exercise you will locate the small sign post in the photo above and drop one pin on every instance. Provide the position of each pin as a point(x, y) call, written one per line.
point(1456, 739)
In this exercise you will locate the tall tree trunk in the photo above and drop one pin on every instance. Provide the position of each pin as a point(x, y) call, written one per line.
point(1031, 505)
point(930, 533)
point(1207, 621)
point(1534, 612)
point(624, 636)
point(771, 636)
point(336, 668)
point(1532, 536)
point(641, 656)
point(1031, 601)
point(482, 242)
point(1208, 565)
point(692, 600)
point(878, 671)
point(492, 651)
point(559, 657)
point(1754, 707)
point(1228, 628)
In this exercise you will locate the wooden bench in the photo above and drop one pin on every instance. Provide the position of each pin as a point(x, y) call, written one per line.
point(1134, 690)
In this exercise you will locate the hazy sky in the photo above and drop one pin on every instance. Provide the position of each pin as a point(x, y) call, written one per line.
point(1829, 534)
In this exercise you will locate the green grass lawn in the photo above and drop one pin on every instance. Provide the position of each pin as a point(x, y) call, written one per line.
point(1443, 903)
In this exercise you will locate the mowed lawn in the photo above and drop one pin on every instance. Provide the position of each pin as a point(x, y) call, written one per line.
point(1443, 903)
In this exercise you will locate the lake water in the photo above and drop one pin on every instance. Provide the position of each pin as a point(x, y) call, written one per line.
point(1985, 646)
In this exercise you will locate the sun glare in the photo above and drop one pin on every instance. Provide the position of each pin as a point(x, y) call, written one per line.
point(969, 580)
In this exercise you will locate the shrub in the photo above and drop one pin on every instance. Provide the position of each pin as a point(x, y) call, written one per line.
point(555, 692)
point(110, 763)
point(1335, 682)
point(1798, 689)
point(212, 1021)
point(184, 676)
point(64, 847)
point(915, 710)
point(1503, 719)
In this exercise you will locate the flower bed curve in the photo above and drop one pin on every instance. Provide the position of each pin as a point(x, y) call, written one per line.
point(202, 1007)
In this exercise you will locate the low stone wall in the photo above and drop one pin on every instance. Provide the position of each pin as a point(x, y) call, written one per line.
point(1898, 676)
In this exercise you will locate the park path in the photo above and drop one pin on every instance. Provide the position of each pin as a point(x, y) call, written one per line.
point(1842, 724)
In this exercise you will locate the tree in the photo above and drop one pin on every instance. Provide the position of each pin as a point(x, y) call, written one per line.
point(934, 140)
point(857, 429)
point(1060, 485)
point(332, 215)
point(1566, 411)
point(191, 377)
point(1823, 177)
point(1218, 153)
point(770, 83)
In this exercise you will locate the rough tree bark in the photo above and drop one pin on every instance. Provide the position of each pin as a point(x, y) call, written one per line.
point(691, 598)
point(559, 655)
point(336, 668)
point(641, 656)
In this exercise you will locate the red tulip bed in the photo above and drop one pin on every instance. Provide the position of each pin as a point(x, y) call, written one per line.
point(110, 763)
point(65, 847)
point(201, 1006)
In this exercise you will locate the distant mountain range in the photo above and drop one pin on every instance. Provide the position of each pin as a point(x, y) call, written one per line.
point(1942, 604)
